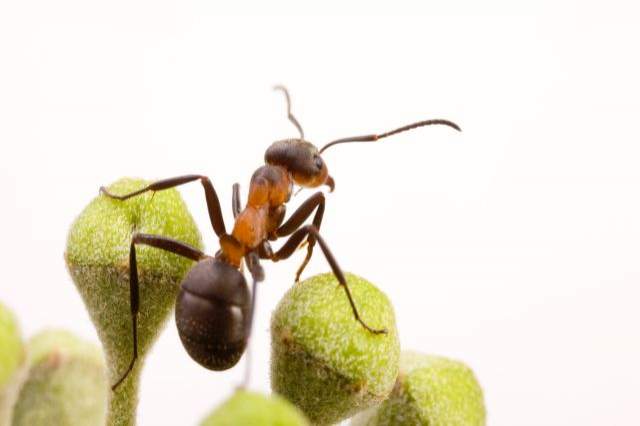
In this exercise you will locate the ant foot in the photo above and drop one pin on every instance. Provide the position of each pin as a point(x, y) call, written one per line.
point(373, 330)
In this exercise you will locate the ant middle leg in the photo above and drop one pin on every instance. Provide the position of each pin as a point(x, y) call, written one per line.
point(157, 241)
point(292, 243)
point(315, 202)
point(213, 204)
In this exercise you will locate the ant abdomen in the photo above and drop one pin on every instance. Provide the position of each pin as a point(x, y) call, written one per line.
point(213, 314)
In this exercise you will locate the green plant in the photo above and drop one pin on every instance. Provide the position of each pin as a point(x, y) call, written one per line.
point(255, 409)
point(65, 382)
point(97, 258)
point(12, 355)
point(430, 391)
point(323, 360)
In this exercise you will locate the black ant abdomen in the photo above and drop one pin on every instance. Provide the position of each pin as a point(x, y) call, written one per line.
point(213, 314)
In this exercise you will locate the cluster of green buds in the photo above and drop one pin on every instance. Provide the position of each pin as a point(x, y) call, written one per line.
point(325, 366)
point(55, 378)
point(328, 365)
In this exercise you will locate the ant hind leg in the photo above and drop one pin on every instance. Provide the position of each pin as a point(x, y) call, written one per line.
point(164, 243)
point(257, 273)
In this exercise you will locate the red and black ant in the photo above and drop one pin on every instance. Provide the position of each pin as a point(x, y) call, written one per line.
point(214, 308)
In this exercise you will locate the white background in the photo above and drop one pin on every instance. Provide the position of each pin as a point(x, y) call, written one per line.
point(513, 246)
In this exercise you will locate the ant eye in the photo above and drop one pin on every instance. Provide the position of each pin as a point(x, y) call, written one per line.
point(319, 162)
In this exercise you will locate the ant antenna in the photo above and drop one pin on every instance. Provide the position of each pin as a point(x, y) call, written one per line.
point(291, 117)
point(373, 138)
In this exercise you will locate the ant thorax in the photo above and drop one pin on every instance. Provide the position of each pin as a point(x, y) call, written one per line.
point(269, 190)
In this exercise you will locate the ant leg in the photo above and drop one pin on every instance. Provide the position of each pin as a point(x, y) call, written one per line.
point(257, 273)
point(157, 241)
point(253, 265)
point(213, 204)
point(298, 217)
point(315, 202)
point(236, 204)
point(292, 243)
point(265, 251)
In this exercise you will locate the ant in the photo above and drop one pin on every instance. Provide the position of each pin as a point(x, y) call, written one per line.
point(214, 309)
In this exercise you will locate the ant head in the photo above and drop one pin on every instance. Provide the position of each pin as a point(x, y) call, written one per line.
point(302, 160)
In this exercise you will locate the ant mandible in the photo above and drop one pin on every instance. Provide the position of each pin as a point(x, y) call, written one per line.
point(214, 309)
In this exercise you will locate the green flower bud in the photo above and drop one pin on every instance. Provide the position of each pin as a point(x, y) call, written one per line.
point(97, 257)
point(323, 360)
point(66, 383)
point(250, 408)
point(11, 359)
point(430, 391)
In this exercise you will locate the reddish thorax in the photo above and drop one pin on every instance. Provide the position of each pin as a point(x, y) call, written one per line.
point(269, 191)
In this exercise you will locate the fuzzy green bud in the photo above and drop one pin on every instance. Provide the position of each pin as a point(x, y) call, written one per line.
point(255, 409)
point(97, 257)
point(66, 383)
point(12, 355)
point(325, 361)
point(430, 391)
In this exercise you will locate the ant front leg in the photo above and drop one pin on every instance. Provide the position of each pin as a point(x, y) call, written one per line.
point(157, 241)
point(315, 202)
point(292, 243)
point(213, 204)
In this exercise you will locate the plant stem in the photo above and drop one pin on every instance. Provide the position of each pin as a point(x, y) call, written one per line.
point(124, 400)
